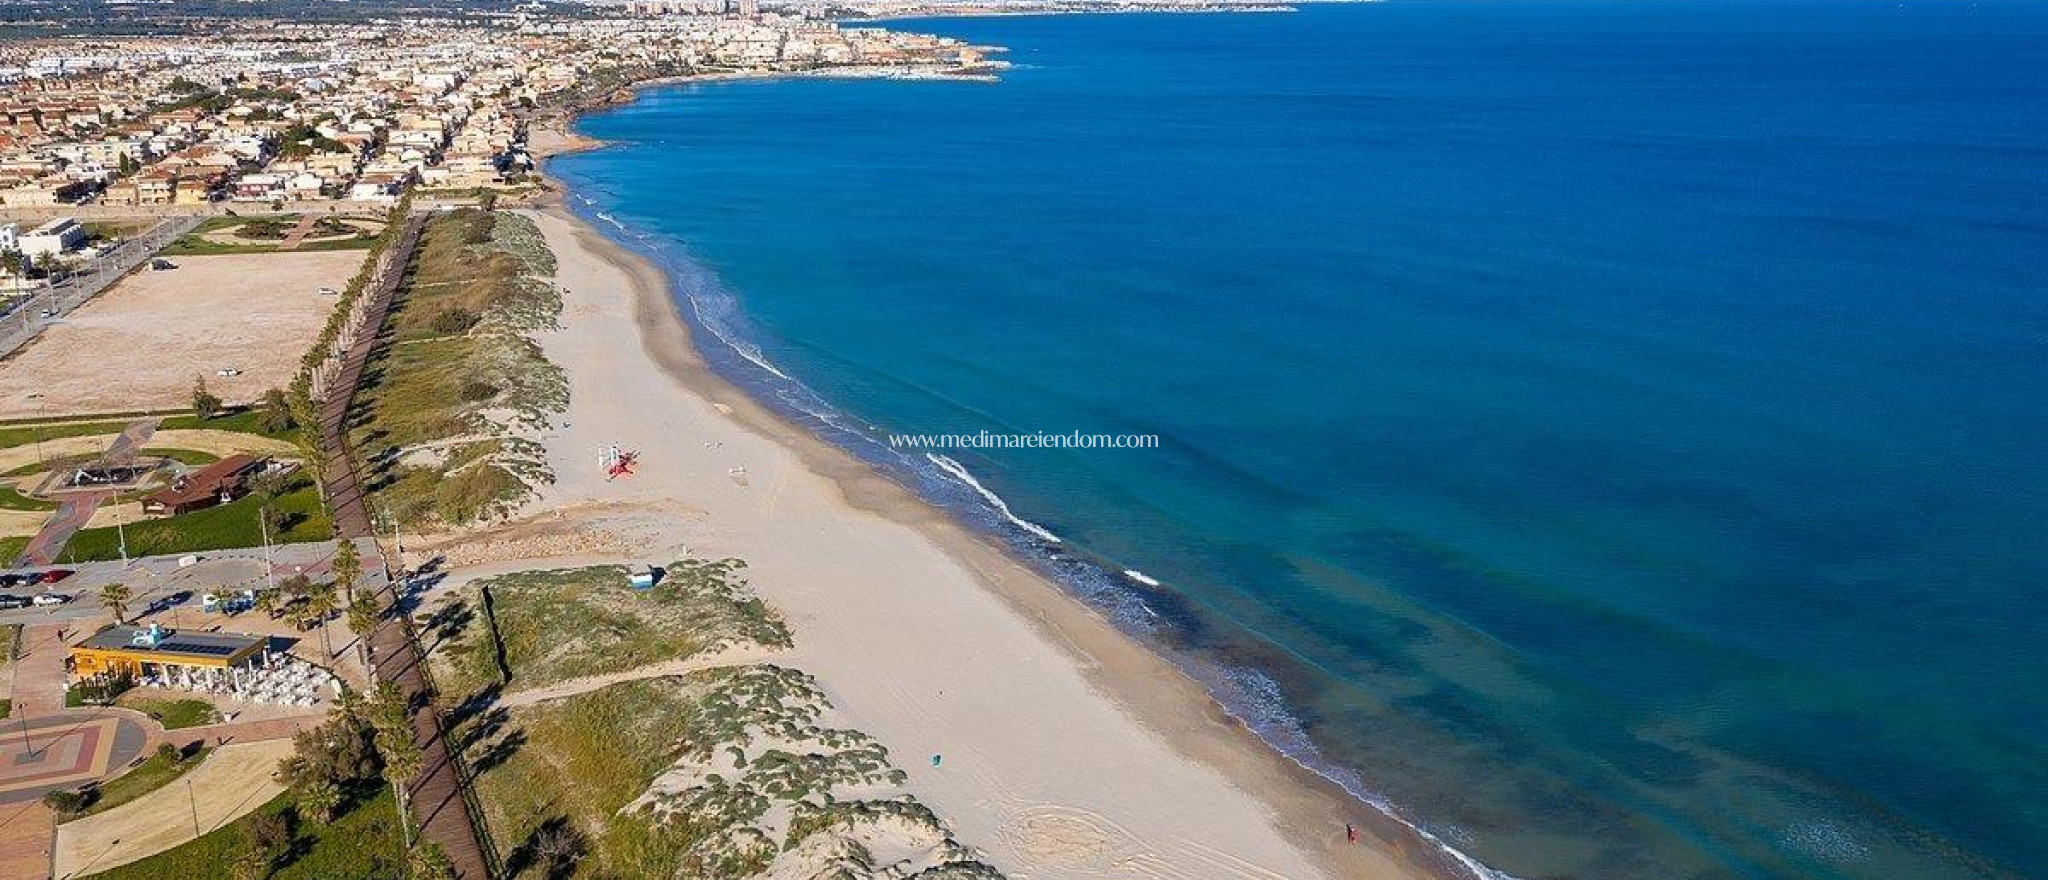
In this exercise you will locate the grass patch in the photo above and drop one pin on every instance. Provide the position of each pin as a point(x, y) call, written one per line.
point(6, 708)
point(191, 457)
point(557, 625)
point(10, 635)
point(129, 415)
point(22, 435)
point(193, 246)
point(173, 714)
point(248, 420)
point(580, 761)
point(258, 235)
point(363, 842)
point(155, 772)
point(11, 547)
point(215, 528)
point(12, 499)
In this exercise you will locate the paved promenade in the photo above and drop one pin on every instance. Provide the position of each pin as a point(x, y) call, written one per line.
point(437, 795)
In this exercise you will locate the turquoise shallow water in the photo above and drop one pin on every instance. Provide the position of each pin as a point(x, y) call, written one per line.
point(1609, 434)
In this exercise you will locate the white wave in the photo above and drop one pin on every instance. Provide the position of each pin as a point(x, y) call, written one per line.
point(959, 472)
point(1255, 699)
point(1141, 577)
point(711, 312)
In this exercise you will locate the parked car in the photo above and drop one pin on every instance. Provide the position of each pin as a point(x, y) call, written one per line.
point(10, 601)
point(57, 574)
point(12, 579)
point(32, 578)
point(51, 599)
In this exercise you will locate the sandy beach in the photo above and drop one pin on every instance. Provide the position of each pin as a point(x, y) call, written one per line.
point(1069, 750)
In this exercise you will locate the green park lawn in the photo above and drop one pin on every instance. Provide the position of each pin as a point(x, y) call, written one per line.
point(228, 526)
point(172, 714)
point(155, 772)
point(361, 844)
point(12, 499)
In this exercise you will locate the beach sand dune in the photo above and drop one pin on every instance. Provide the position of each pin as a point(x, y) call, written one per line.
point(1064, 748)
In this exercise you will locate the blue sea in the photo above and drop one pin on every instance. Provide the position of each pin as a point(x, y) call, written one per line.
point(1608, 435)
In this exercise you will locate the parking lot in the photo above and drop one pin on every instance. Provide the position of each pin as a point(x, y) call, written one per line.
point(157, 581)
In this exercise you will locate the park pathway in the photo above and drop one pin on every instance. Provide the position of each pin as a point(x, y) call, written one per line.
point(437, 795)
point(27, 831)
point(76, 508)
point(35, 685)
point(298, 233)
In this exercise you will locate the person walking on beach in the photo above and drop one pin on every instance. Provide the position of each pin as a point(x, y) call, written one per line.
point(935, 759)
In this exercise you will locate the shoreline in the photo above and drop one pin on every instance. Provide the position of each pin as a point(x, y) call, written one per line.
point(1309, 809)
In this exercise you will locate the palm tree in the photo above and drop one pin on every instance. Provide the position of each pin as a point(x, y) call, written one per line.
point(428, 862)
point(319, 799)
point(251, 864)
point(115, 597)
point(362, 618)
point(391, 718)
point(348, 567)
point(321, 603)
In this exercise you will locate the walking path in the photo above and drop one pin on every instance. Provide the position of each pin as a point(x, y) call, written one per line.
point(72, 514)
point(25, 835)
point(684, 666)
point(298, 233)
point(44, 745)
point(344, 492)
point(233, 732)
point(37, 678)
point(229, 784)
point(437, 795)
point(76, 508)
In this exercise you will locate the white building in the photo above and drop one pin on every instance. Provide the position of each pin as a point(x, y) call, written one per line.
point(51, 239)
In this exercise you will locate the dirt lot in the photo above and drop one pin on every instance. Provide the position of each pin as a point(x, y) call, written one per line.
point(141, 344)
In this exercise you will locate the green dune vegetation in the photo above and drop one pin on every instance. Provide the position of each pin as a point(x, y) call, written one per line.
point(732, 771)
point(458, 382)
point(536, 628)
